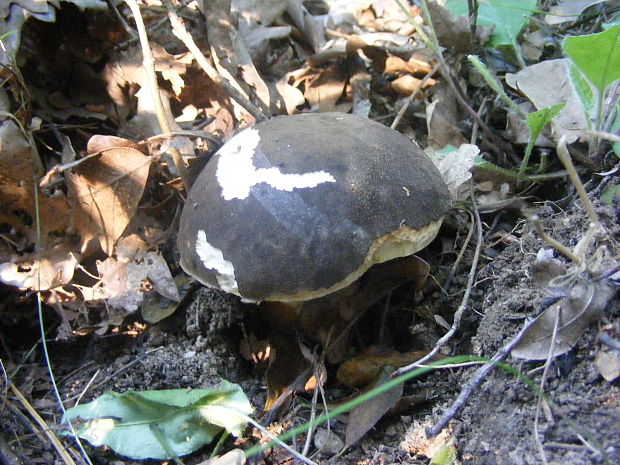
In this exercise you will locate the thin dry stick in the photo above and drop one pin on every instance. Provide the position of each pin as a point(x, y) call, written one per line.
point(417, 90)
point(461, 254)
point(315, 396)
point(149, 65)
point(266, 432)
point(458, 315)
point(179, 30)
point(46, 429)
point(565, 158)
point(475, 381)
point(543, 380)
point(568, 253)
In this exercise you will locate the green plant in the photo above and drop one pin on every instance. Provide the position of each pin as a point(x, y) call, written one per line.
point(508, 18)
point(594, 66)
point(161, 424)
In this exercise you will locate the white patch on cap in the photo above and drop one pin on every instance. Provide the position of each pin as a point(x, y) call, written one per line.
point(236, 173)
point(213, 259)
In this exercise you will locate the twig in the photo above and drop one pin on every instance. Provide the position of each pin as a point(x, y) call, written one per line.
point(458, 315)
point(543, 380)
point(179, 30)
point(417, 90)
point(475, 381)
point(461, 254)
point(564, 157)
point(568, 253)
point(149, 65)
point(266, 432)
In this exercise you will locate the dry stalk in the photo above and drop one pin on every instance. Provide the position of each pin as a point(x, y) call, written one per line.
point(460, 312)
point(149, 65)
point(60, 448)
point(179, 30)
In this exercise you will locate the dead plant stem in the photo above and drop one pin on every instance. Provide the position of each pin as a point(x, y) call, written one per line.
point(474, 382)
point(565, 158)
point(149, 66)
point(543, 381)
point(179, 30)
point(60, 449)
point(568, 253)
point(413, 95)
point(458, 315)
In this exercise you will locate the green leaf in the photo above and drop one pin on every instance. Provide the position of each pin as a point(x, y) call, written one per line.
point(445, 456)
point(583, 89)
point(508, 17)
point(615, 125)
point(160, 424)
point(610, 194)
point(537, 120)
point(596, 55)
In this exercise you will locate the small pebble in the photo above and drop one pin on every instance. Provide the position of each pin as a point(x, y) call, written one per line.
point(327, 442)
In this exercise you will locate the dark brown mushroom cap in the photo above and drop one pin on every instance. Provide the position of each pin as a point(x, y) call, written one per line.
point(299, 206)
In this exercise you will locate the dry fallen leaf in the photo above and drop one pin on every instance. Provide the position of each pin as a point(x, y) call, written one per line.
point(104, 193)
point(323, 90)
point(543, 92)
point(573, 313)
point(442, 119)
point(365, 416)
point(455, 167)
point(134, 273)
point(52, 269)
point(568, 10)
point(455, 33)
point(20, 168)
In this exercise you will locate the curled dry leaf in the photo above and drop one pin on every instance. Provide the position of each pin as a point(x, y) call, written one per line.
point(135, 272)
point(53, 269)
point(572, 315)
point(455, 166)
point(104, 193)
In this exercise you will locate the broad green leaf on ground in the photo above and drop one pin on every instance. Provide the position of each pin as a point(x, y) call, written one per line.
point(160, 424)
point(508, 17)
point(584, 90)
point(596, 55)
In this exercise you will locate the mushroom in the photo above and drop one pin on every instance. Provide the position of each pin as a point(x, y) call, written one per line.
point(299, 207)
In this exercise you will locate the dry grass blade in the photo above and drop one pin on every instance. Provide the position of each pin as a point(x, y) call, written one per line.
point(60, 448)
